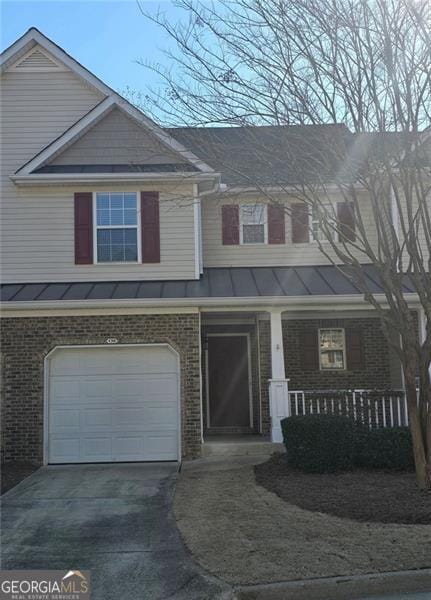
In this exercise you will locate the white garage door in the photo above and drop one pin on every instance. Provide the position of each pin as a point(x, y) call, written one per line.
point(113, 404)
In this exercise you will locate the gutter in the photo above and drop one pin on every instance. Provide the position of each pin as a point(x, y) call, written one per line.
point(237, 303)
point(84, 178)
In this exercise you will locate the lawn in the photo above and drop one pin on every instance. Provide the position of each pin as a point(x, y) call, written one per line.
point(373, 496)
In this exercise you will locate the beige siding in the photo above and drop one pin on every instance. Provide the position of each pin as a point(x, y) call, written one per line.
point(218, 255)
point(116, 139)
point(37, 224)
point(40, 244)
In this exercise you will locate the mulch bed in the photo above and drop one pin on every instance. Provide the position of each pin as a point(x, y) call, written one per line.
point(13, 473)
point(378, 496)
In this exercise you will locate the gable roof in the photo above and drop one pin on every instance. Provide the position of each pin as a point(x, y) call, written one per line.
point(34, 37)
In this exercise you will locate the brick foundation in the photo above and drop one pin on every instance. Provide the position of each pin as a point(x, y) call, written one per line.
point(26, 342)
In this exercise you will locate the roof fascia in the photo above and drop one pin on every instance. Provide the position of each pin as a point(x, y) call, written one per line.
point(44, 179)
point(266, 303)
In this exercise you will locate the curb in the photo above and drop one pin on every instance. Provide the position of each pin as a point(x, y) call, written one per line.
point(340, 588)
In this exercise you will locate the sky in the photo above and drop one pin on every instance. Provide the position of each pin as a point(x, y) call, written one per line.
point(106, 37)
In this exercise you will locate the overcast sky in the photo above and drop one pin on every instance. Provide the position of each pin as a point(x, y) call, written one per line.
point(106, 37)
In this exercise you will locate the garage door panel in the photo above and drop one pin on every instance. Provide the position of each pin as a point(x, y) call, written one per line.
point(65, 420)
point(65, 449)
point(97, 448)
point(159, 444)
point(96, 418)
point(111, 404)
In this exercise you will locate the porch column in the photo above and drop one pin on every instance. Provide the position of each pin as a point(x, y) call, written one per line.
point(278, 384)
point(422, 328)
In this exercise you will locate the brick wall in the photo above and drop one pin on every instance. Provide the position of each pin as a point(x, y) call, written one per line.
point(26, 342)
point(376, 374)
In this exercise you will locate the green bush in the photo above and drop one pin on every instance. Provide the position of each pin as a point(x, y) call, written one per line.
point(330, 443)
point(319, 443)
point(386, 448)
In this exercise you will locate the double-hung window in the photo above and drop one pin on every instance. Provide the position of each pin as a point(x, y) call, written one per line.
point(332, 349)
point(253, 224)
point(319, 215)
point(116, 227)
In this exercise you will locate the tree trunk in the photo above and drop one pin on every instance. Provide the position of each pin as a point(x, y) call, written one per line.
point(418, 437)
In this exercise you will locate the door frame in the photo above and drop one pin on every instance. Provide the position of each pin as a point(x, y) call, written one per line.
point(249, 373)
point(111, 346)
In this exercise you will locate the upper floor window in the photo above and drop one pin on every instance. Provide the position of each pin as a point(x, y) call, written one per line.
point(332, 349)
point(116, 227)
point(318, 216)
point(253, 224)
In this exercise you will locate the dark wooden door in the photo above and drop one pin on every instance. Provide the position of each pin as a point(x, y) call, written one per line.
point(229, 399)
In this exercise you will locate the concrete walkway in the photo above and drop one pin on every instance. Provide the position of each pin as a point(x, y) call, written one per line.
point(115, 520)
point(246, 535)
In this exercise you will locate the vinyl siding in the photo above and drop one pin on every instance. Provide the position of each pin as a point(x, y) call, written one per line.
point(40, 245)
point(289, 254)
point(37, 224)
point(116, 139)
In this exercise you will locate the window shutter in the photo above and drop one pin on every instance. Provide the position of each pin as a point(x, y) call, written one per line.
point(150, 227)
point(300, 226)
point(83, 228)
point(230, 224)
point(276, 226)
point(355, 349)
point(346, 220)
point(309, 351)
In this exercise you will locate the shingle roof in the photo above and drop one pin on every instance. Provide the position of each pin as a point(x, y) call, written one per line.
point(282, 155)
point(234, 282)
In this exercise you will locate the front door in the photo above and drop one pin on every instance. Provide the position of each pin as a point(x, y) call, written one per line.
point(228, 381)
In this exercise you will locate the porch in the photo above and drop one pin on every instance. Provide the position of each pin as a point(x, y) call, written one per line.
point(260, 367)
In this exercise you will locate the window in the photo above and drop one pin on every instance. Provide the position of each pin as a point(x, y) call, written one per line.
point(253, 224)
point(317, 216)
point(116, 227)
point(332, 349)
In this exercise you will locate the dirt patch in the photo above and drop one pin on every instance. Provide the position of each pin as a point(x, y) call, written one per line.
point(14, 472)
point(243, 533)
point(375, 496)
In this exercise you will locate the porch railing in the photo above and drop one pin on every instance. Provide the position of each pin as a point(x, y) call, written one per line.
point(372, 408)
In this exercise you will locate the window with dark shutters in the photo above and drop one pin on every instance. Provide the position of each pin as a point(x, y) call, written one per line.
point(150, 227)
point(355, 349)
point(346, 221)
point(83, 228)
point(230, 224)
point(276, 225)
point(300, 223)
point(308, 351)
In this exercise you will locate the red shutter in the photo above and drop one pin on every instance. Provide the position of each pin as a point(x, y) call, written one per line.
point(346, 220)
point(276, 227)
point(83, 228)
point(300, 225)
point(230, 224)
point(150, 227)
point(355, 350)
point(309, 351)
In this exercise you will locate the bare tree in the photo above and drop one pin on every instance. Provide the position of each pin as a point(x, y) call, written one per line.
point(361, 63)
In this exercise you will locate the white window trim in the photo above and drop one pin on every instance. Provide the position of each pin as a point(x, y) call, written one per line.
point(344, 368)
point(138, 231)
point(331, 207)
point(265, 224)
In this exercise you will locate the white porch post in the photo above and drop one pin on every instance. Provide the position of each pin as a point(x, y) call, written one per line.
point(278, 384)
point(422, 328)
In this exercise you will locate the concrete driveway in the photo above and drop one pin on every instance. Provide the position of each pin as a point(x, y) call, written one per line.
point(115, 520)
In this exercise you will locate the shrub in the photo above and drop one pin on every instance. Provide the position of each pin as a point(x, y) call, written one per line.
point(386, 448)
point(319, 443)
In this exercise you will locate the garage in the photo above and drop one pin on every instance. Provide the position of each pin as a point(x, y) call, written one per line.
point(113, 404)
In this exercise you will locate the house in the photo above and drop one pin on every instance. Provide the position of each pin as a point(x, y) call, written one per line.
point(151, 297)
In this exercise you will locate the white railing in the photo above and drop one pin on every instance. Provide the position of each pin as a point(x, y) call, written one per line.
point(371, 407)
